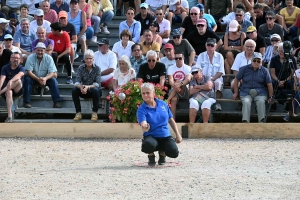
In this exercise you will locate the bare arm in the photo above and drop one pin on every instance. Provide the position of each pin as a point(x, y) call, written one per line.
point(115, 84)
point(215, 28)
point(84, 26)
point(32, 76)
point(197, 88)
point(165, 34)
point(191, 58)
point(50, 75)
point(219, 44)
point(162, 80)
point(182, 30)
point(218, 75)
point(74, 39)
point(175, 129)
point(273, 75)
point(270, 89)
point(67, 51)
point(107, 71)
point(22, 50)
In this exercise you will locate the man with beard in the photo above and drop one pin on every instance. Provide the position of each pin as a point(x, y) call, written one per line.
point(41, 69)
point(11, 82)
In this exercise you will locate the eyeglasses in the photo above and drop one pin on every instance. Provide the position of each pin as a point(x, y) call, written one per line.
point(193, 13)
point(176, 37)
point(238, 15)
point(130, 13)
point(193, 73)
point(152, 25)
point(178, 58)
point(210, 45)
point(250, 32)
point(250, 47)
point(15, 58)
point(256, 60)
point(269, 18)
point(143, 8)
point(152, 60)
point(200, 25)
point(158, 14)
point(275, 40)
point(136, 50)
point(8, 39)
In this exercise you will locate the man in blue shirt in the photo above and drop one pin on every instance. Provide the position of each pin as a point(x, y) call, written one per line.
point(254, 77)
point(11, 82)
point(41, 70)
point(59, 5)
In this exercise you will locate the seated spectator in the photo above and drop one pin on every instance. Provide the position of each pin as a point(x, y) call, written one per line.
point(49, 14)
point(132, 25)
point(179, 76)
point(91, 33)
point(123, 47)
point(11, 82)
point(8, 44)
point(212, 64)
point(40, 69)
point(149, 44)
point(231, 16)
point(233, 44)
point(282, 80)
point(169, 59)
point(107, 61)
point(198, 38)
point(13, 23)
point(269, 28)
point(87, 85)
point(240, 18)
point(137, 4)
point(272, 50)
point(290, 14)
point(3, 28)
point(218, 9)
point(95, 18)
point(70, 29)
point(10, 6)
point(259, 16)
point(62, 47)
point(33, 5)
point(59, 5)
point(137, 58)
point(78, 19)
point(124, 73)
point(144, 17)
point(201, 94)
point(153, 5)
point(259, 40)
point(39, 14)
point(181, 45)
point(152, 71)
point(24, 13)
point(164, 25)
point(4, 56)
point(41, 34)
point(209, 18)
point(189, 23)
point(23, 39)
point(154, 28)
point(178, 10)
point(105, 14)
point(254, 90)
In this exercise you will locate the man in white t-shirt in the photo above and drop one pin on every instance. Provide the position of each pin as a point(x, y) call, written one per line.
point(164, 25)
point(179, 76)
point(39, 14)
point(169, 58)
point(178, 10)
point(107, 61)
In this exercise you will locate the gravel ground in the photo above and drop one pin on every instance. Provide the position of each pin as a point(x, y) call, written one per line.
point(105, 169)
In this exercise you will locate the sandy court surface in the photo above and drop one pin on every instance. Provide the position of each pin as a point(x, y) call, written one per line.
point(105, 169)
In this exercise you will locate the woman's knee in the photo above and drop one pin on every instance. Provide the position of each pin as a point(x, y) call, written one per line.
point(149, 145)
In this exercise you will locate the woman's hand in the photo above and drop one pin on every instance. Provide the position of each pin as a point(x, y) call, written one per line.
point(178, 138)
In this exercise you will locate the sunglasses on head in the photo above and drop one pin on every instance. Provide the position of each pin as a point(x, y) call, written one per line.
point(176, 36)
point(269, 18)
point(256, 60)
point(210, 45)
point(193, 13)
point(178, 58)
point(152, 60)
point(158, 14)
point(200, 25)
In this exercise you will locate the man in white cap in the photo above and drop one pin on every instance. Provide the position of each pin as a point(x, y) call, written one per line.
point(40, 69)
point(11, 82)
point(8, 44)
point(39, 14)
point(144, 17)
point(3, 26)
point(178, 10)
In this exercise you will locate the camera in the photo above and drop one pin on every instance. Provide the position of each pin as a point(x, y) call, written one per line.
point(287, 47)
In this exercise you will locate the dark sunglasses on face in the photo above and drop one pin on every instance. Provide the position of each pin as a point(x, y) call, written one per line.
point(152, 60)
point(158, 14)
point(200, 25)
point(176, 37)
point(238, 15)
point(250, 32)
point(193, 73)
point(275, 40)
point(269, 18)
point(143, 8)
point(178, 58)
point(8, 39)
point(130, 13)
point(256, 60)
point(193, 13)
point(210, 45)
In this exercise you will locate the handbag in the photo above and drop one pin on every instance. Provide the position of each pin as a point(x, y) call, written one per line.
point(201, 97)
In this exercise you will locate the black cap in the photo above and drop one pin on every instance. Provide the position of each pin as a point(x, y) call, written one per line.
point(103, 41)
point(211, 41)
point(73, 1)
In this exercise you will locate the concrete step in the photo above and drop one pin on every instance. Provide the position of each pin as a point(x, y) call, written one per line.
point(86, 120)
point(51, 110)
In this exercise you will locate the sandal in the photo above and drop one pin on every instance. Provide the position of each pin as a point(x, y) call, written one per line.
point(8, 120)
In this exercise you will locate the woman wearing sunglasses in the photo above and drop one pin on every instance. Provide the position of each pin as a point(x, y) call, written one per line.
point(154, 28)
point(132, 25)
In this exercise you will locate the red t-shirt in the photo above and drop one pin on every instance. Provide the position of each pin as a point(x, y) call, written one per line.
point(60, 42)
point(298, 22)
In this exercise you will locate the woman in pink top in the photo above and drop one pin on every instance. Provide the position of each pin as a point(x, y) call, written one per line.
point(49, 14)
point(91, 34)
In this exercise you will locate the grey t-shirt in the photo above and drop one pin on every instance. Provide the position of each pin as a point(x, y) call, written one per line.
point(205, 79)
point(184, 47)
point(266, 33)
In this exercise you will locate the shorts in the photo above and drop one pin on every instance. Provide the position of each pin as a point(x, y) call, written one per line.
point(177, 18)
point(15, 94)
point(206, 104)
point(74, 45)
point(106, 83)
point(185, 95)
point(82, 37)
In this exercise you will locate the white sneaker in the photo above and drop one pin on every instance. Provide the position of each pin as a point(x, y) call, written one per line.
point(72, 69)
point(105, 31)
point(218, 107)
point(76, 56)
point(94, 38)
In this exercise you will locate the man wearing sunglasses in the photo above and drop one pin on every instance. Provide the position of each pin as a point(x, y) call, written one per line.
point(240, 18)
point(270, 27)
point(144, 17)
point(181, 45)
point(179, 76)
point(198, 38)
point(254, 77)
point(212, 64)
point(152, 71)
point(259, 40)
point(8, 44)
point(164, 25)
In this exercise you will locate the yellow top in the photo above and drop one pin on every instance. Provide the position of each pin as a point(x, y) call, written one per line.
point(106, 5)
point(154, 46)
point(290, 19)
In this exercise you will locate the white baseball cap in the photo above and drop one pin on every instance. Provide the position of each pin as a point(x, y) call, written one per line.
point(40, 45)
point(2, 20)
